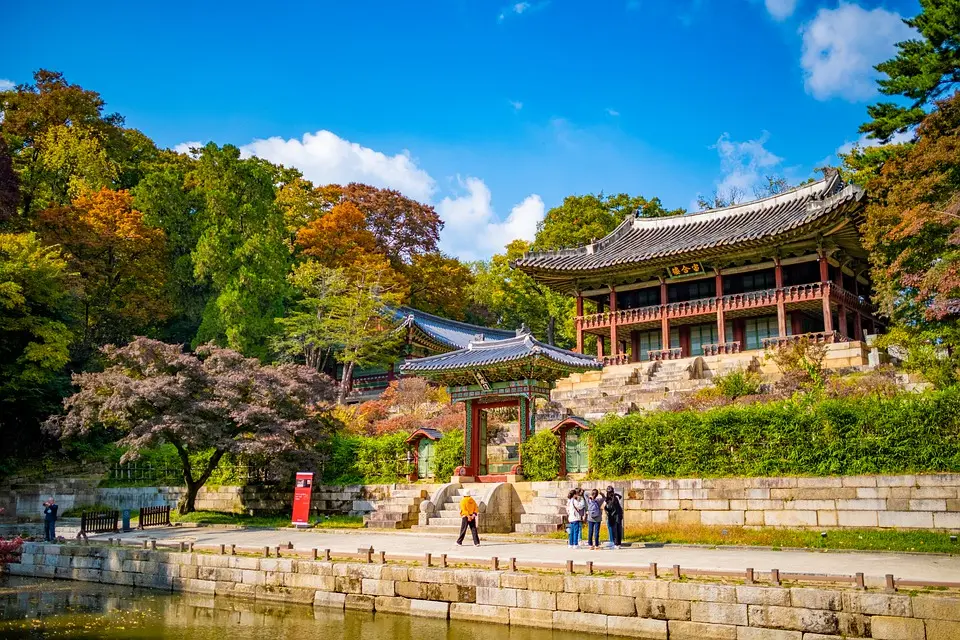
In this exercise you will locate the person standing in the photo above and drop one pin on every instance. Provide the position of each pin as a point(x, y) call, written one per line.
point(575, 510)
point(594, 516)
point(614, 509)
point(468, 518)
point(50, 520)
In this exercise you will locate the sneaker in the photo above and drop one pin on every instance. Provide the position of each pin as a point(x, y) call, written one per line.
point(477, 545)
point(459, 544)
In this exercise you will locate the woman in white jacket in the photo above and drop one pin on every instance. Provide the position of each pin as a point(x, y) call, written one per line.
point(575, 510)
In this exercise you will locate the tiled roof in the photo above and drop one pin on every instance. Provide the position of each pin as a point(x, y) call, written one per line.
point(583, 423)
point(483, 353)
point(786, 216)
point(448, 333)
point(426, 432)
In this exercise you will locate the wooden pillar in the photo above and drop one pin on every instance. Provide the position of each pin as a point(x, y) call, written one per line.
point(684, 336)
point(599, 346)
point(579, 324)
point(614, 343)
point(857, 326)
point(781, 310)
point(635, 346)
point(842, 320)
point(825, 286)
point(664, 321)
point(796, 323)
point(721, 320)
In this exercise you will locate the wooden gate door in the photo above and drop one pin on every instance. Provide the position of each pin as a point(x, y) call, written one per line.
point(577, 458)
point(425, 458)
point(482, 431)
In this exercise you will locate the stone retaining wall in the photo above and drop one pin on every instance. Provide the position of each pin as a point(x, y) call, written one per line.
point(652, 609)
point(904, 501)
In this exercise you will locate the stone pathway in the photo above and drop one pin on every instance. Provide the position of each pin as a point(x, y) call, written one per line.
point(932, 567)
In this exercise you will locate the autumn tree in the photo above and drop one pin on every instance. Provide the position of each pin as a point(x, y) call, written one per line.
point(241, 249)
point(35, 337)
point(912, 227)
point(213, 401)
point(580, 220)
point(402, 226)
point(337, 238)
point(9, 186)
point(925, 69)
point(119, 261)
point(440, 284)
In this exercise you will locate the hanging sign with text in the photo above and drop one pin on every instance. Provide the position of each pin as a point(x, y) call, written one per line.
point(301, 498)
point(683, 270)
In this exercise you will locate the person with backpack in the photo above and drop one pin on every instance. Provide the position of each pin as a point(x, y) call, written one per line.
point(614, 507)
point(576, 507)
point(594, 516)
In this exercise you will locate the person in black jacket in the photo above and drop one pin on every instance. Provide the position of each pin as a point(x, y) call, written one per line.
point(614, 507)
point(50, 509)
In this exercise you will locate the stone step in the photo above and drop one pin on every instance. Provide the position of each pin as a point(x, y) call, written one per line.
point(448, 513)
point(452, 531)
point(545, 509)
point(444, 522)
point(409, 493)
point(383, 524)
point(396, 507)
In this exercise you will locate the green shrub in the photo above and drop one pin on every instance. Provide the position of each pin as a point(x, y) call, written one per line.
point(805, 435)
point(447, 455)
point(737, 384)
point(541, 456)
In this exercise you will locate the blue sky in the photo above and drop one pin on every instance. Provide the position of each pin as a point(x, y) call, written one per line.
point(491, 111)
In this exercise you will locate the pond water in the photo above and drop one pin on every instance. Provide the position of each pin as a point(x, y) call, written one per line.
point(32, 608)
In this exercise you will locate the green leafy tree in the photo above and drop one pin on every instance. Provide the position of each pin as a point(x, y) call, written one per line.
point(241, 249)
point(583, 219)
point(35, 301)
point(924, 70)
point(513, 298)
point(343, 312)
point(438, 284)
point(541, 457)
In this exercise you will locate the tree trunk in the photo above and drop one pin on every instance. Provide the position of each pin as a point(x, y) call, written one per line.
point(551, 330)
point(186, 504)
point(345, 382)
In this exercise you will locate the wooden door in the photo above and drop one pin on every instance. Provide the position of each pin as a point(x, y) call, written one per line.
point(425, 458)
point(577, 453)
point(482, 433)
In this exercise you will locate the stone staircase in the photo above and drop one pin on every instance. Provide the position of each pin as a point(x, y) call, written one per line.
point(547, 513)
point(641, 386)
point(399, 511)
point(446, 519)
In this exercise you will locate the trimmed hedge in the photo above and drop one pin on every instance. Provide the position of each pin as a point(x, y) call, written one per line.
point(801, 436)
point(541, 456)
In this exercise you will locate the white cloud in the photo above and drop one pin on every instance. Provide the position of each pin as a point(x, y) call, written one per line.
point(6, 85)
point(744, 165)
point(471, 228)
point(612, 112)
point(863, 142)
point(516, 104)
point(326, 158)
point(185, 147)
point(841, 47)
point(519, 8)
point(780, 10)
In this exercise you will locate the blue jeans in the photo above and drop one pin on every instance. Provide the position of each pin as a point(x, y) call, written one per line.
point(593, 534)
point(573, 533)
point(614, 530)
point(50, 530)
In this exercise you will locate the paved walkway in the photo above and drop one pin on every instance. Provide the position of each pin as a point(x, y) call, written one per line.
point(931, 567)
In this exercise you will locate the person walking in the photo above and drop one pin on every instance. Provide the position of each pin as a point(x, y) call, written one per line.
point(614, 508)
point(468, 518)
point(594, 516)
point(50, 509)
point(575, 510)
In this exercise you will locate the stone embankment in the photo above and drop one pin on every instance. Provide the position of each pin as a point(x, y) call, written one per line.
point(653, 609)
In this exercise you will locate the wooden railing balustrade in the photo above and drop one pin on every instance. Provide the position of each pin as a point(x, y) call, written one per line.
point(98, 522)
point(721, 348)
point(674, 353)
point(153, 517)
point(816, 337)
point(620, 358)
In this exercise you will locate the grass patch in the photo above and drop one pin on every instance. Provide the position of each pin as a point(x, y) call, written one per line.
point(841, 539)
point(274, 521)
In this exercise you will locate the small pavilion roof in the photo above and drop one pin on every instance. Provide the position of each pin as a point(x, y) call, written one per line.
point(803, 213)
point(424, 432)
point(514, 358)
point(571, 421)
point(442, 334)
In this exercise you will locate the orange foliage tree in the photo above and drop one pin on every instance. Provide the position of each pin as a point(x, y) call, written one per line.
point(338, 238)
point(119, 261)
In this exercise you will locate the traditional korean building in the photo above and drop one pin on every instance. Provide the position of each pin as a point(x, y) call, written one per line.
point(721, 281)
point(424, 334)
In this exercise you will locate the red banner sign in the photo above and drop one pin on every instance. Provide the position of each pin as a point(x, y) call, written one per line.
point(301, 498)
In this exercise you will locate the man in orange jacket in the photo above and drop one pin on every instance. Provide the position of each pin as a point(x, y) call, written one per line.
point(468, 518)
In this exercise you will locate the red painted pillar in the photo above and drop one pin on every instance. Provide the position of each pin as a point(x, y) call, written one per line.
point(579, 323)
point(664, 320)
point(825, 292)
point(614, 343)
point(721, 320)
point(781, 309)
point(599, 346)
